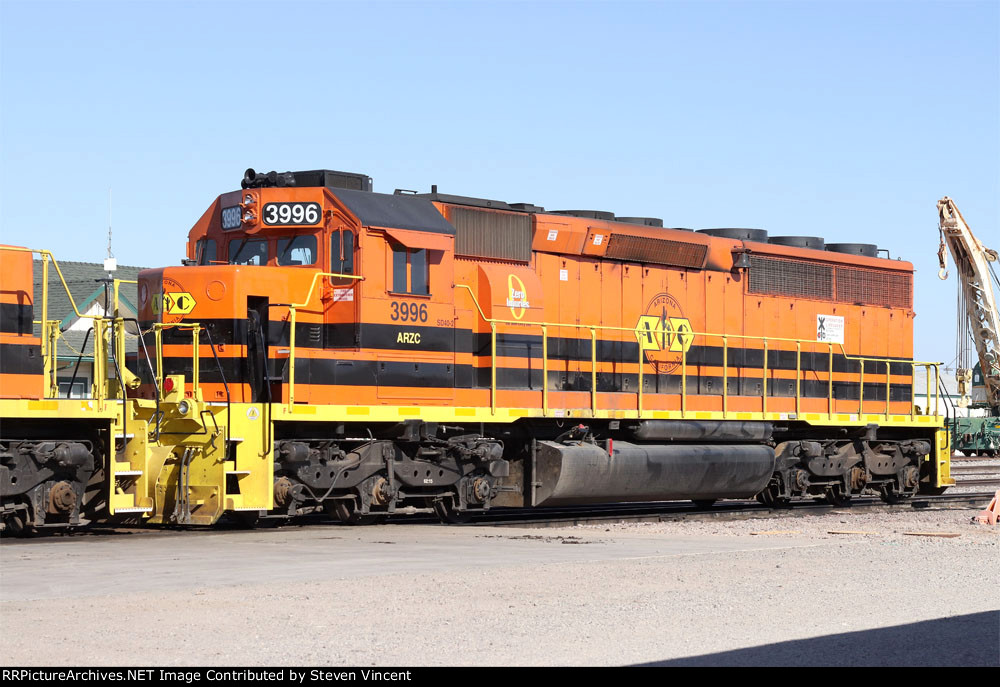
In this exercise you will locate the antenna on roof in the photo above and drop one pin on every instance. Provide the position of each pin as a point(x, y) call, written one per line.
point(110, 264)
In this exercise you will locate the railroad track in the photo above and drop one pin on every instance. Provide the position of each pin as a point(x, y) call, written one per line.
point(975, 471)
point(726, 510)
point(671, 511)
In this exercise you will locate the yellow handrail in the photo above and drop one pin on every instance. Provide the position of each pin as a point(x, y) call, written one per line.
point(45, 282)
point(292, 310)
point(50, 333)
point(195, 328)
point(766, 342)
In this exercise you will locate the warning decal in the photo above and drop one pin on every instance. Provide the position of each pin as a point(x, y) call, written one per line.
point(830, 328)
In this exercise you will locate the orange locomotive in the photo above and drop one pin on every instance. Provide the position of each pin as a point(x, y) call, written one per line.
point(20, 350)
point(428, 351)
point(53, 452)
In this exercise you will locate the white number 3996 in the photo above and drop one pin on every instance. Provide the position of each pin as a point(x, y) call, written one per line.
point(291, 213)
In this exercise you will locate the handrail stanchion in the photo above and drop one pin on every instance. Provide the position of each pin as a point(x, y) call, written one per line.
point(861, 395)
point(829, 390)
point(291, 356)
point(46, 352)
point(195, 362)
point(158, 330)
point(927, 391)
point(118, 341)
point(545, 371)
point(798, 379)
point(725, 376)
point(913, 406)
point(493, 368)
point(763, 396)
point(100, 362)
point(887, 389)
point(684, 382)
point(937, 390)
point(639, 391)
point(51, 333)
point(593, 372)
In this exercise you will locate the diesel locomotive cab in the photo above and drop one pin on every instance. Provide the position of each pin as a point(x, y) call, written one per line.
point(276, 246)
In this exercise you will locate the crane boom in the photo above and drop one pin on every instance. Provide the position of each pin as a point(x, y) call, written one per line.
point(972, 260)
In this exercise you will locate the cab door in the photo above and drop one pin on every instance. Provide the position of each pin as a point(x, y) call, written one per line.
point(414, 325)
point(341, 296)
point(335, 367)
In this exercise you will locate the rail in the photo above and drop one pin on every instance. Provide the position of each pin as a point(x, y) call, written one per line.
point(686, 340)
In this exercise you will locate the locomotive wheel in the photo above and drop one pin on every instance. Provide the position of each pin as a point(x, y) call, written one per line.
point(16, 524)
point(835, 496)
point(891, 496)
point(703, 503)
point(444, 508)
point(772, 498)
point(346, 510)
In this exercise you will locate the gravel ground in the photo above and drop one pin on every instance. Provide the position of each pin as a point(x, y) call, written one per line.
point(878, 525)
point(770, 591)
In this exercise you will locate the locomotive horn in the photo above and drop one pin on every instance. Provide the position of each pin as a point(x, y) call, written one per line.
point(248, 177)
point(251, 179)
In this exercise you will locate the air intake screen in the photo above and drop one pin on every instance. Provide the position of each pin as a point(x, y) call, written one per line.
point(782, 277)
point(657, 251)
point(858, 285)
point(496, 235)
point(791, 278)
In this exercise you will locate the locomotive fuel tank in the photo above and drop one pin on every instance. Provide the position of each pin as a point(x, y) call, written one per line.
point(579, 473)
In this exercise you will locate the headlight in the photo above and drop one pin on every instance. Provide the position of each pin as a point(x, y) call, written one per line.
point(183, 407)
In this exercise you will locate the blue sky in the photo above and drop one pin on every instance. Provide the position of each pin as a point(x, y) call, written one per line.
point(846, 120)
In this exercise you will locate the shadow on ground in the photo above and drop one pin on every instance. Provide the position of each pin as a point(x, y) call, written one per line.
point(965, 640)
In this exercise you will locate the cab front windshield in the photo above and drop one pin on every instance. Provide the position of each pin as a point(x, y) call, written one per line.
point(248, 252)
point(293, 250)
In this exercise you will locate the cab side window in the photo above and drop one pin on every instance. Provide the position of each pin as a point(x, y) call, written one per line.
point(409, 270)
point(205, 251)
point(342, 252)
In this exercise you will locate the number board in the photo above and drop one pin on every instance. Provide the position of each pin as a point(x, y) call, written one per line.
point(282, 214)
point(232, 217)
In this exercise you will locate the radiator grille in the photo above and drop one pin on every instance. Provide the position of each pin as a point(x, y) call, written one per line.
point(858, 285)
point(785, 277)
point(658, 251)
point(790, 278)
point(489, 234)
